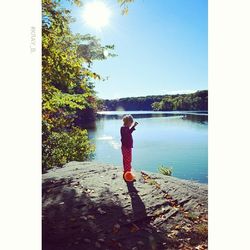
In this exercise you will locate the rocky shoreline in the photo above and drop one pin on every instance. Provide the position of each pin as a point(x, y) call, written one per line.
point(88, 205)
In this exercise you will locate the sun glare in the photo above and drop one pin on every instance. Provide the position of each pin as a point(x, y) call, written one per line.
point(96, 14)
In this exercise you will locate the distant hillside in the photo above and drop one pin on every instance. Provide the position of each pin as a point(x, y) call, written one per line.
point(194, 101)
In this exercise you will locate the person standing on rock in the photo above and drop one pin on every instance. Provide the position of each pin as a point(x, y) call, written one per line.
point(127, 141)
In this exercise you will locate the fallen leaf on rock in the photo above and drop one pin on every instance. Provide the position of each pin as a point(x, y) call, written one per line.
point(128, 221)
point(83, 217)
point(134, 228)
point(175, 232)
point(116, 228)
point(134, 248)
point(171, 236)
point(101, 211)
point(186, 228)
point(91, 217)
point(168, 196)
point(114, 244)
point(201, 247)
point(186, 247)
point(181, 246)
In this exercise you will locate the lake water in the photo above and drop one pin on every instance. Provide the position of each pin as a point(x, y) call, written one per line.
point(175, 139)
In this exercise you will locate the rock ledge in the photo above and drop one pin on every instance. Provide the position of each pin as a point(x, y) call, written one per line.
point(88, 205)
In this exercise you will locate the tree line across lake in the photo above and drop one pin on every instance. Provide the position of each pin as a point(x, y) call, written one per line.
point(194, 101)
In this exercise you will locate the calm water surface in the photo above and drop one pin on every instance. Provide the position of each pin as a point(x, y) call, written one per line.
point(175, 139)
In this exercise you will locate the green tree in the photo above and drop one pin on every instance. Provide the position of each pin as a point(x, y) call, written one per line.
point(194, 101)
point(156, 106)
point(124, 4)
point(67, 85)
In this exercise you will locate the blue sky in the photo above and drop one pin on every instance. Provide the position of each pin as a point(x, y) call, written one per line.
point(162, 48)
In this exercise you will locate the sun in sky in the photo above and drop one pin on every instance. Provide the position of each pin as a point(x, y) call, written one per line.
point(96, 14)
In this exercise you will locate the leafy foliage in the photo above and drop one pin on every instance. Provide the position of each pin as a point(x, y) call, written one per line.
point(124, 4)
point(67, 146)
point(194, 101)
point(165, 170)
point(67, 85)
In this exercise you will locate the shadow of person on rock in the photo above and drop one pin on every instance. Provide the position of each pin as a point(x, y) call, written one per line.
point(145, 234)
point(138, 206)
point(75, 219)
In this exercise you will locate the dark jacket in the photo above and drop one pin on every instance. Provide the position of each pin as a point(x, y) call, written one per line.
point(126, 136)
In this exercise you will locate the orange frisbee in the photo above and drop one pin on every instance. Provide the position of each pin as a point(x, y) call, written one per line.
point(128, 176)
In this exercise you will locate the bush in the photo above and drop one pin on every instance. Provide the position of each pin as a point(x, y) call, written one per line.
point(165, 170)
point(62, 147)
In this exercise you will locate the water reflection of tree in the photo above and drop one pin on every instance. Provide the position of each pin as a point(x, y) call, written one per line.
point(196, 118)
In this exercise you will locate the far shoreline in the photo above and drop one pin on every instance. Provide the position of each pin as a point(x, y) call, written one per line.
point(196, 112)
